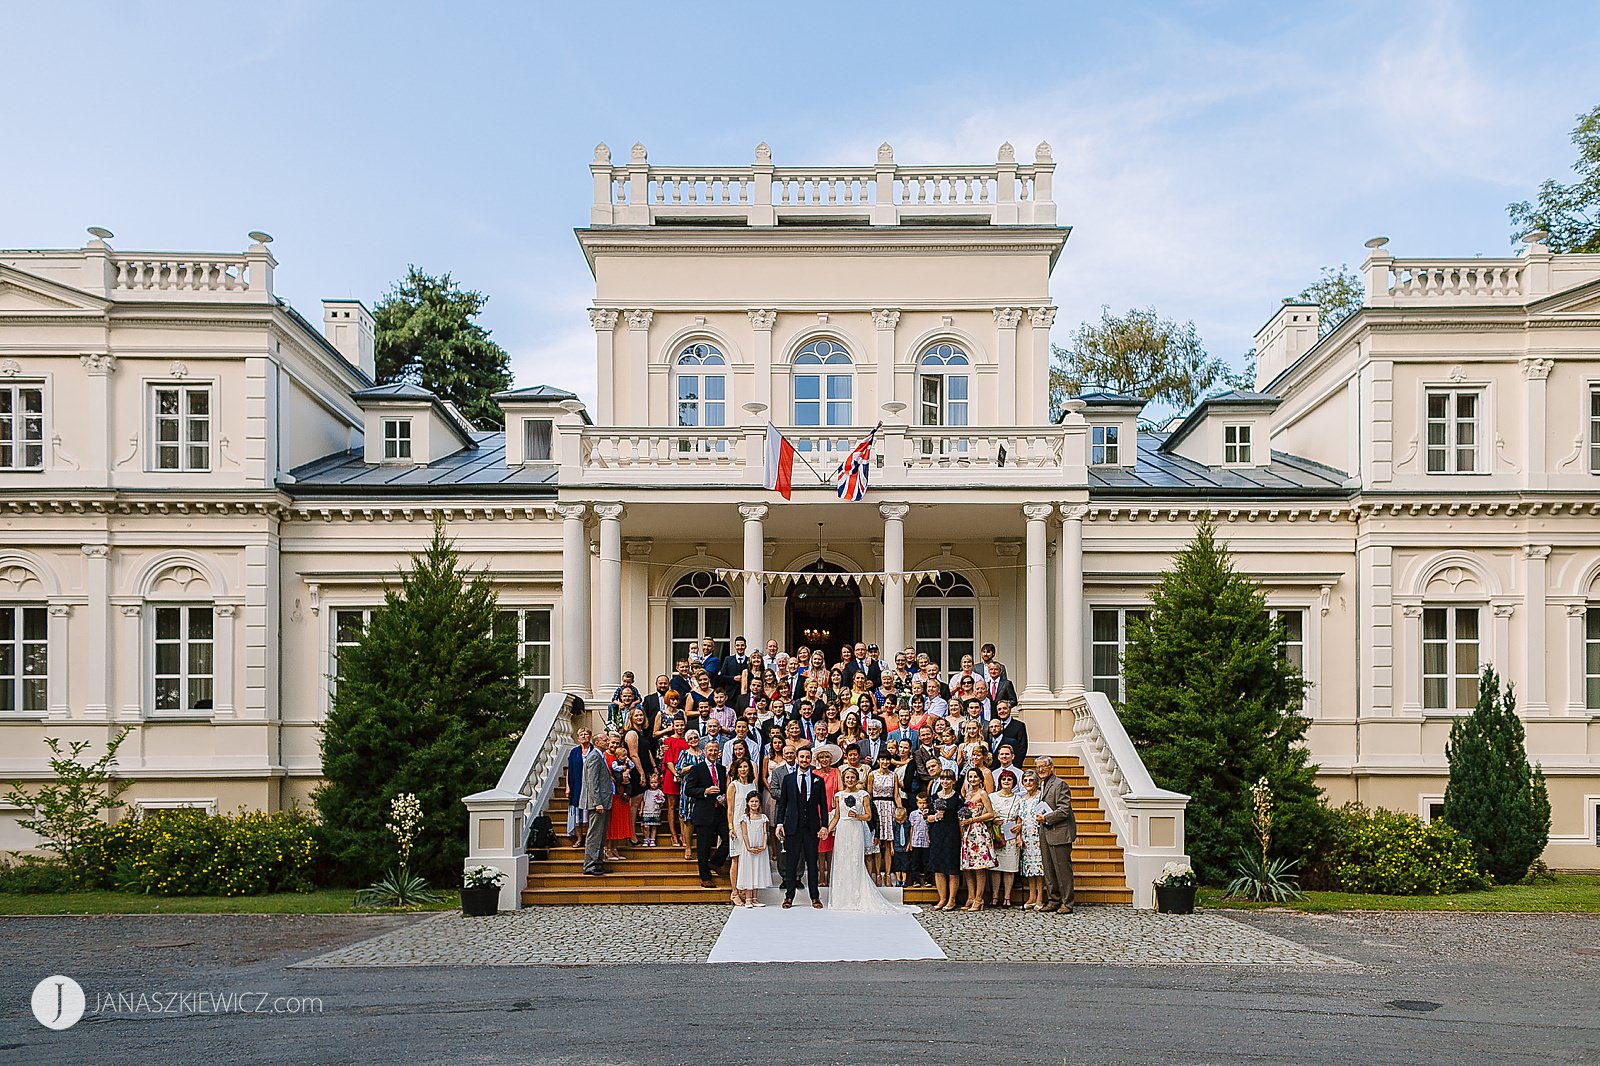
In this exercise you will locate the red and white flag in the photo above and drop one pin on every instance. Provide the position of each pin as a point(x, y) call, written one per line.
point(780, 462)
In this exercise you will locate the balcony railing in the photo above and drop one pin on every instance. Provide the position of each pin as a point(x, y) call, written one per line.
point(908, 456)
point(1392, 282)
point(884, 193)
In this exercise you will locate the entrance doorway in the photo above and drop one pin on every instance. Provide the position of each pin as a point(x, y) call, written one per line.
point(823, 614)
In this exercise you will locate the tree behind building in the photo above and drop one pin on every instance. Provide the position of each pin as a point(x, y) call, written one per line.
point(426, 335)
point(1569, 213)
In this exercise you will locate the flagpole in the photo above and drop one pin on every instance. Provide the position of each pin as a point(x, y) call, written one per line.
point(802, 457)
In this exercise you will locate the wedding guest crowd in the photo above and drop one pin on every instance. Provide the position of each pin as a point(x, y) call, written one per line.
point(699, 763)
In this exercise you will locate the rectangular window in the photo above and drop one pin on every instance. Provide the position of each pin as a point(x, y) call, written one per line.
point(945, 632)
point(538, 438)
point(1108, 642)
point(1594, 431)
point(24, 659)
point(21, 427)
point(1293, 645)
point(691, 625)
point(397, 438)
point(184, 650)
point(1103, 447)
point(1450, 658)
point(183, 427)
point(530, 628)
point(1453, 432)
point(349, 623)
point(1591, 658)
point(1236, 446)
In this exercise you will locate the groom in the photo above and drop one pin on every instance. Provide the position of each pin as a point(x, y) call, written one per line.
point(802, 819)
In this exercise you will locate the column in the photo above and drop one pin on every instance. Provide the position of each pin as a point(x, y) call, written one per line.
point(605, 323)
point(97, 615)
point(1005, 321)
point(755, 562)
point(762, 321)
point(894, 589)
point(574, 599)
point(632, 385)
point(1072, 516)
point(1038, 636)
point(884, 321)
point(1035, 408)
point(1535, 696)
point(608, 657)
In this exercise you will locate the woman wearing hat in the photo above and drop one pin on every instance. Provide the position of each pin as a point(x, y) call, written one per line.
point(826, 758)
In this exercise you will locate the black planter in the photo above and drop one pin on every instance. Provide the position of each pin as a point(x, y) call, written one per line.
point(1175, 899)
point(482, 902)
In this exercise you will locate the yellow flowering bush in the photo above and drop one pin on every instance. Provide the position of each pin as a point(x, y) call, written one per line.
point(191, 853)
point(1394, 854)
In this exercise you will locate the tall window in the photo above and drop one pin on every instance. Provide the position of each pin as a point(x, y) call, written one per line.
point(1591, 658)
point(1236, 445)
point(530, 628)
point(183, 427)
point(945, 620)
point(1104, 448)
point(184, 654)
point(1453, 431)
point(1594, 431)
point(21, 427)
point(24, 659)
point(1108, 641)
point(397, 438)
point(702, 386)
point(1293, 645)
point(824, 386)
point(945, 387)
point(349, 623)
point(701, 606)
point(1450, 658)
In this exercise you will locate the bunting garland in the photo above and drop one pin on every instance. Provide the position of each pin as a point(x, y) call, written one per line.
point(795, 577)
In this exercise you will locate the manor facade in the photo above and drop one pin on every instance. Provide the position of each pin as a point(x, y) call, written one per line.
point(203, 493)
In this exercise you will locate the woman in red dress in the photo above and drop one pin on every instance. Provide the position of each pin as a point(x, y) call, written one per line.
point(826, 755)
point(671, 748)
point(623, 776)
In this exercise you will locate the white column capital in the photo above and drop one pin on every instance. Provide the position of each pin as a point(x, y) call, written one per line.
point(1504, 610)
point(1042, 317)
point(1074, 512)
point(885, 318)
point(602, 319)
point(98, 364)
point(1038, 512)
point(894, 512)
point(639, 318)
point(60, 610)
point(1535, 368)
point(610, 512)
point(762, 318)
point(1007, 317)
point(96, 551)
point(1008, 547)
point(572, 511)
point(1536, 551)
point(753, 512)
point(1412, 610)
point(132, 610)
point(1577, 610)
point(638, 547)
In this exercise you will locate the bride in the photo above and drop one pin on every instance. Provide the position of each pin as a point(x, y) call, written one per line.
point(851, 889)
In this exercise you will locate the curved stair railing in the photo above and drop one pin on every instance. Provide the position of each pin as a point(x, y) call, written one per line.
point(497, 819)
point(1148, 820)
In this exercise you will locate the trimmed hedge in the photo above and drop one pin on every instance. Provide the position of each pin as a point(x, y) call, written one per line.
point(1394, 854)
point(191, 853)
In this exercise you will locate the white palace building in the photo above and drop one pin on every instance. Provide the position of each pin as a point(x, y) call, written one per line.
point(202, 492)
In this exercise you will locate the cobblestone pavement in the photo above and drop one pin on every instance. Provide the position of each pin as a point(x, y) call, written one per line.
point(565, 936)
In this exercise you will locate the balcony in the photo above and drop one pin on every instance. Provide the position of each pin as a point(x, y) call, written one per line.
point(1004, 193)
point(903, 456)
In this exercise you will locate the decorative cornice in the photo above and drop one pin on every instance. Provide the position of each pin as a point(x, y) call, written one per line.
point(103, 503)
point(602, 319)
point(1190, 514)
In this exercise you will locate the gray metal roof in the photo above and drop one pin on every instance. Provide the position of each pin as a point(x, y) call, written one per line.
point(469, 472)
point(395, 390)
point(537, 392)
point(1162, 473)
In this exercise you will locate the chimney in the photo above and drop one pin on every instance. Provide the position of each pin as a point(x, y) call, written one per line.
point(1287, 336)
point(349, 327)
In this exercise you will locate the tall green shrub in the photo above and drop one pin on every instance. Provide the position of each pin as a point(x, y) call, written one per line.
point(429, 702)
point(1494, 796)
point(71, 808)
point(1212, 706)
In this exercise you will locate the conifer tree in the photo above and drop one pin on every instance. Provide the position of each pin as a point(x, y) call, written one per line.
point(1494, 796)
point(1212, 705)
point(429, 702)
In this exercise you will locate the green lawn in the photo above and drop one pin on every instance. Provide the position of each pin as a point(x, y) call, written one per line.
point(323, 901)
point(1570, 892)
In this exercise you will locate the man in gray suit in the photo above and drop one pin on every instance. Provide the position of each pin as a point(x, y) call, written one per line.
point(1058, 828)
point(596, 793)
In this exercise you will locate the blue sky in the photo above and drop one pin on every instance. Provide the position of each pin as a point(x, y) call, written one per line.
point(1211, 157)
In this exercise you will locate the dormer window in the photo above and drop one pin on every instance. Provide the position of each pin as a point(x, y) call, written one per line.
point(537, 438)
point(1237, 447)
point(397, 438)
point(1104, 447)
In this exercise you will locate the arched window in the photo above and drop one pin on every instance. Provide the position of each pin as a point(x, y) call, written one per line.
point(702, 386)
point(701, 606)
point(945, 620)
point(944, 388)
point(824, 385)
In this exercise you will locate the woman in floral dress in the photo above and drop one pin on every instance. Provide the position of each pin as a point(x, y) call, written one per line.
point(1032, 857)
point(977, 842)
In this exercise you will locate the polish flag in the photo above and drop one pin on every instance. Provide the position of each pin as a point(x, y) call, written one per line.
point(780, 462)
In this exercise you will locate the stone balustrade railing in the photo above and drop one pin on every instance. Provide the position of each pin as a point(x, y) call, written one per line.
point(902, 455)
point(222, 273)
point(884, 193)
point(1392, 282)
point(1149, 821)
point(497, 827)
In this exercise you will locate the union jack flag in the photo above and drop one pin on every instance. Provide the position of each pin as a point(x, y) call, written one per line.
point(851, 475)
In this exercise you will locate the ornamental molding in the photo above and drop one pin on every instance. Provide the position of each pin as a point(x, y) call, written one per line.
point(762, 319)
point(1536, 369)
point(885, 318)
point(10, 368)
point(60, 610)
point(1191, 514)
point(1038, 512)
point(602, 319)
point(98, 365)
point(1007, 547)
point(894, 512)
point(178, 369)
point(637, 547)
point(1074, 512)
point(1536, 551)
point(753, 512)
point(1007, 317)
point(1472, 508)
point(1042, 317)
point(610, 512)
point(639, 318)
point(96, 551)
point(103, 504)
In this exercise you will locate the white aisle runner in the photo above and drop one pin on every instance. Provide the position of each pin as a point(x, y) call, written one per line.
point(804, 934)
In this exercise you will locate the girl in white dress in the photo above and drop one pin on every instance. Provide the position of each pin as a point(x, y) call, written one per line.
point(851, 888)
point(755, 872)
point(740, 789)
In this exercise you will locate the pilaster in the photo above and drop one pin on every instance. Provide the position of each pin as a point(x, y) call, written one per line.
point(604, 322)
point(1034, 410)
point(1006, 320)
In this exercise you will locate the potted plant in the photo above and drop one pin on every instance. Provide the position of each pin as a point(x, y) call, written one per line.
point(480, 891)
point(1175, 889)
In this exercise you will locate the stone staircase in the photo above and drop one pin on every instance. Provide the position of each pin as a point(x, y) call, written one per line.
point(662, 875)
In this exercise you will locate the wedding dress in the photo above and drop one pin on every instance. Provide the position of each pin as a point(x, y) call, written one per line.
point(850, 887)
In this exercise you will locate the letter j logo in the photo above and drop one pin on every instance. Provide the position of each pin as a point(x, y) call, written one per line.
point(58, 1002)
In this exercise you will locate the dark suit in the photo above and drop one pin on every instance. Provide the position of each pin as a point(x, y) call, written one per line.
point(1056, 834)
point(708, 814)
point(1015, 734)
point(653, 705)
point(1005, 690)
point(802, 819)
point(869, 753)
point(733, 668)
point(868, 666)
